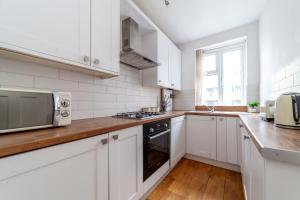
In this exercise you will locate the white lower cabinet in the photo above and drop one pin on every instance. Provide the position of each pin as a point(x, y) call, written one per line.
point(108, 166)
point(201, 136)
point(76, 170)
point(126, 164)
point(227, 140)
point(264, 178)
point(177, 139)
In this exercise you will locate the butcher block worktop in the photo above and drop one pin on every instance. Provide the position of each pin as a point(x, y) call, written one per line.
point(273, 142)
point(30, 140)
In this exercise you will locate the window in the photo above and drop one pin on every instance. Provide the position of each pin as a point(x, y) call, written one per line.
point(223, 76)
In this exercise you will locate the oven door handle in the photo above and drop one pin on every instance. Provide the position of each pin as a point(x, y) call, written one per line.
point(158, 135)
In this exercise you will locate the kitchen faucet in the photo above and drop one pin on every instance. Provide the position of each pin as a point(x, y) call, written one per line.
point(210, 108)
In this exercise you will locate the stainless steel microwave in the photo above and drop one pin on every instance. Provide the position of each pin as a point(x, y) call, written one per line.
point(29, 109)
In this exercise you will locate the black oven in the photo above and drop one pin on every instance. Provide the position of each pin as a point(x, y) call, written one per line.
point(156, 146)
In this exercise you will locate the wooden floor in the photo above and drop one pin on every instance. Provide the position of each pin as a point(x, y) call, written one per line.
point(197, 181)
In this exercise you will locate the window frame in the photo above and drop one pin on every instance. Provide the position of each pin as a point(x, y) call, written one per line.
point(219, 51)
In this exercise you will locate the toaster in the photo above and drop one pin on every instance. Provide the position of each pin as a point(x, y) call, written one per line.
point(287, 111)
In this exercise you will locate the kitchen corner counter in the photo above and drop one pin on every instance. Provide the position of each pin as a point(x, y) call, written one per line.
point(273, 142)
point(21, 142)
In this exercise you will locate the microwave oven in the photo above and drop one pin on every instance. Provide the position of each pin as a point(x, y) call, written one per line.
point(22, 110)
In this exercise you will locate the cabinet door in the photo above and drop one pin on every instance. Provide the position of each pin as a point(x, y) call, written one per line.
point(177, 139)
point(76, 170)
point(105, 33)
point(257, 173)
point(175, 67)
point(222, 139)
point(231, 140)
point(246, 161)
point(163, 60)
point(201, 136)
point(126, 164)
point(58, 29)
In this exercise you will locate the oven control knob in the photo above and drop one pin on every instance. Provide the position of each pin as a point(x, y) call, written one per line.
point(166, 125)
point(65, 113)
point(65, 103)
point(151, 130)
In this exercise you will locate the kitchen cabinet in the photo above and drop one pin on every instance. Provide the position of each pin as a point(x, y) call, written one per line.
point(257, 173)
point(246, 162)
point(202, 136)
point(105, 32)
point(76, 170)
point(168, 73)
point(227, 147)
point(126, 164)
point(175, 67)
point(177, 139)
point(163, 75)
point(84, 34)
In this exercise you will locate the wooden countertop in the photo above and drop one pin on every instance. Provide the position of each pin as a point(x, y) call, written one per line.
point(273, 142)
point(21, 142)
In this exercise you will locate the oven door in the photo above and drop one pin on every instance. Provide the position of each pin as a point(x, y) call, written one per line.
point(23, 110)
point(156, 152)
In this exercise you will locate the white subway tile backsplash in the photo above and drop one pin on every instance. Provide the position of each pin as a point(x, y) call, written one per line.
point(27, 68)
point(13, 79)
point(286, 83)
point(297, 79)
point(75, 76)
point(47, 83)
point(91, 96)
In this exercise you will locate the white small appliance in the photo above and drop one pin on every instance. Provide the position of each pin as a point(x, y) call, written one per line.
point(267, 112)
point(22, 110)
point(287, 112)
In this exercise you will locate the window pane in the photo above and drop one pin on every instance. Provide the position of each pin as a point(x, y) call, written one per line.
point(210, 91)
point(209, 63)
point(232, 78)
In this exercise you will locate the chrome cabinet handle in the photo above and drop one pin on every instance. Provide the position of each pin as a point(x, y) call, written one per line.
point(172, 84)
point(115, 137)
point(96, 61)
point(241, 126)
point(246, 137)
point(212, 118)
point(221, 119)
point(86, 58)
point(159, 81)
point(104, 141)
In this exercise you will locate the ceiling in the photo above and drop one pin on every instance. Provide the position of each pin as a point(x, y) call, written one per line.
point(187, 20)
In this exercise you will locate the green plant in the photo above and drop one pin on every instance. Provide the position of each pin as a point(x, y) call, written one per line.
point(253, 104)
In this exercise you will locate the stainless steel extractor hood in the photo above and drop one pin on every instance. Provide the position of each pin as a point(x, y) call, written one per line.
point(129, 54)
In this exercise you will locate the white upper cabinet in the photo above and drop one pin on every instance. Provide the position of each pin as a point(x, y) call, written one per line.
point(126, 164)
point(105, 42)
point(63, 31)
point(168, 73)
point(202, 136)
point(175, 67)
point(58, 29)
point(163, 78)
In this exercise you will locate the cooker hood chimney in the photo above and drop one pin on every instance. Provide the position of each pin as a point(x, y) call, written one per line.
point(129, 54)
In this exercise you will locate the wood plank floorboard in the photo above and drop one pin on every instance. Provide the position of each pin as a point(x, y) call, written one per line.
point(191, 180)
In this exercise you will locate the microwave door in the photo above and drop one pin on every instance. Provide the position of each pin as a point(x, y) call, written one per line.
point(25, 109)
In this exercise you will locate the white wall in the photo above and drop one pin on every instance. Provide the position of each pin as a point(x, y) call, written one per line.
point(91, 96)
point(280, 48)
point(185, 100)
